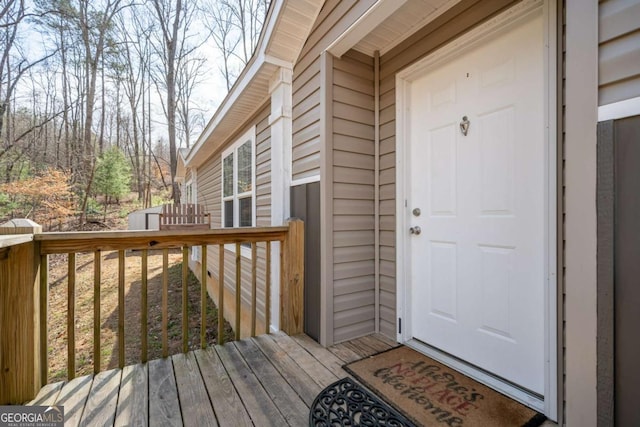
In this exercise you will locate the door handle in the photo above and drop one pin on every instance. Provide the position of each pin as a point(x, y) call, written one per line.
point(415, 230)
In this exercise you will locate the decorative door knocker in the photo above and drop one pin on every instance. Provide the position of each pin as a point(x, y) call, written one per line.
point(464, 125)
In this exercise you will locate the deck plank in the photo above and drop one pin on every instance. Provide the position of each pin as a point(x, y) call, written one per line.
point(332, 362)
point(375, 343)
point(73, 397)
point(194, 400)
point(292, 407)
point(361, 347)
point(309, 364)
point(164, 408)
point(260, 407)
point(386, 340)
point(47, 395)
point(225, 400)
point(133, 401)
point(267, 380)
point(298, 379)
point(345, 353)
point(100, 409)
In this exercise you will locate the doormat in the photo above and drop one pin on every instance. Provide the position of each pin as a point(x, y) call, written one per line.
point(432, 394)
point(346, 403)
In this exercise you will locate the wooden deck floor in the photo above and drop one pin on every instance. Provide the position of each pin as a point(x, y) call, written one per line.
point(267, 380)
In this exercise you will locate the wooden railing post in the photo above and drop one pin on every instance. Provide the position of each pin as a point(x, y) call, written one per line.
point(292, 279)
point(20, 308)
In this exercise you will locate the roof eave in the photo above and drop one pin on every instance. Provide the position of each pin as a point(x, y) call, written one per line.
point(276, 48)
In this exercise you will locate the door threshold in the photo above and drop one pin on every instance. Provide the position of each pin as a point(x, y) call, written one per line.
point(519, 394)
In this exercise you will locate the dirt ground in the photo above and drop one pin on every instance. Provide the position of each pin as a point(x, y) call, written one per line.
point(57, 322)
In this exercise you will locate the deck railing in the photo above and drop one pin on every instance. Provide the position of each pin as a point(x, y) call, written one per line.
point(24, 288)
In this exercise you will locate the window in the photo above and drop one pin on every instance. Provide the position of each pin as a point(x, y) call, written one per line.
point(238, 183)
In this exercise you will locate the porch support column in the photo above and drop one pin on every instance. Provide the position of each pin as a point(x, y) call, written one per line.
point(23, 334)
point(581, 92)
point(281, 143)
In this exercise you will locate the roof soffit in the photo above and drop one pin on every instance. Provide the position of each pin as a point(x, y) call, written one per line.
point(387, 24)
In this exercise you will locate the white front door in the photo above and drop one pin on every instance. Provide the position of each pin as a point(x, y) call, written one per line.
point(478, 266)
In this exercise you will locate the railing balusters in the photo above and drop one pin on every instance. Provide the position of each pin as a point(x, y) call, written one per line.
point(144, 305)
point(71, 317)
point(185, 300)
point(221, 294)
point(44, 314)
point(203, 297)
point(254, 283)
point(97, 259)
point(238, 288)
point(165, 302)
point(267, 292)
point(145, 241)
point(121, 270)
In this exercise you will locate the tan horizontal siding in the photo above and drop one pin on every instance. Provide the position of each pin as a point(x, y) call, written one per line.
point(453, 23)
point(306, 122)
point(352, 285)
point(263, 168)
point(209, 175)
point(619, 50)
point(353, 196)
point(334, 18)
point(354, 191)
point(353, 254)
point(354, 300)
point(210, 194)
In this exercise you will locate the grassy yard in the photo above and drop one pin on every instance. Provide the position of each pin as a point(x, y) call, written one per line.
point(57, 322)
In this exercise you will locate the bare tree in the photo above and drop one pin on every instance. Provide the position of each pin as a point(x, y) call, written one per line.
point(235, 26)
point(134, 61)
point(177, 44)
point(15, 63)
point(221, 27)
point(94, 24)
point(190, 75)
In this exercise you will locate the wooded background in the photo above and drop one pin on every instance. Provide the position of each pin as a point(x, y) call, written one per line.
point(82, 79)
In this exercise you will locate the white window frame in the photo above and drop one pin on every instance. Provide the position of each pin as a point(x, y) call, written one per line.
point(249, 135)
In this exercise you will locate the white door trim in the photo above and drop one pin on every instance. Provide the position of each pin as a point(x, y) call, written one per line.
point(502, 22)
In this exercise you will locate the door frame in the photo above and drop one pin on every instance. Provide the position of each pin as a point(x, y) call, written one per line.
point(548, 404)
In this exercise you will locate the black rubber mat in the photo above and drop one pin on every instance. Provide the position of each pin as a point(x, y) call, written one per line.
point(347, 403)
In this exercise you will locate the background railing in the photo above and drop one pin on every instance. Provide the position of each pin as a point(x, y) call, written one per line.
point(24, 288)
point(175, 217)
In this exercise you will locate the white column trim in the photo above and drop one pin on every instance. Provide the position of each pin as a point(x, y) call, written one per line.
point(581, 117)
point(281, 146)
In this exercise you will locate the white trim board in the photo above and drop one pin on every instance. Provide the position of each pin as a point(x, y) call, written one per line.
point(619, 110)
point(305, 180)
point(500, 23)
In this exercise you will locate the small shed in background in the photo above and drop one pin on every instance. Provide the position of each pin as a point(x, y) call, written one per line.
point(145, 219)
